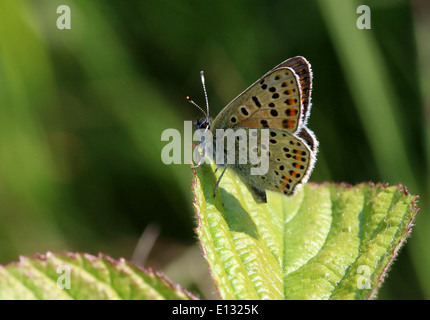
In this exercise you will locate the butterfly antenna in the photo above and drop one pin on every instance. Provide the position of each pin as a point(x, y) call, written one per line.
point(202, 76)
point(192, 102)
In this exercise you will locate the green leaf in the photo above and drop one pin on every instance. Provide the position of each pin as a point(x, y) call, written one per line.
point(329, 241)
point(83, 276)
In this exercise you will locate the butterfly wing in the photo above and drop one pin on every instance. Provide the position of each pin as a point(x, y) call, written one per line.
point(303, 69)
point(303, 74)
point(291, 161)
point(274, 101)
point(280, 102)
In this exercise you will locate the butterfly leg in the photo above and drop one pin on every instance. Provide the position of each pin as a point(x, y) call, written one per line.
point(200, 160)
point(219, 179)
point(202, 157)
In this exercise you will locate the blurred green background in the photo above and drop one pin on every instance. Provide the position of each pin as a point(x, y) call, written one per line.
point(82, 112)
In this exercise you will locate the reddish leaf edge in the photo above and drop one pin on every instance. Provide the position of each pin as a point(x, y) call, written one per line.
point(400, 243)
point(147, 270)
point(199, 224)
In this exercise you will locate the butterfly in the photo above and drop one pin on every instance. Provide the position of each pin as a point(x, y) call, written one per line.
point(280, 102)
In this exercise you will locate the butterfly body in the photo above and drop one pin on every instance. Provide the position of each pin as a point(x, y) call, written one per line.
point(279, 102)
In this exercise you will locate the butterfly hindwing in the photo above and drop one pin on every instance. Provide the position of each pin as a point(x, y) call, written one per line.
point(290, 161)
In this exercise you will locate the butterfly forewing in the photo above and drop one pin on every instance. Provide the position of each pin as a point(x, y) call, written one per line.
point(303, 69)
point(274, 101)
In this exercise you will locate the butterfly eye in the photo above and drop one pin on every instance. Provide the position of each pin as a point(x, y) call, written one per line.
point(202, 123)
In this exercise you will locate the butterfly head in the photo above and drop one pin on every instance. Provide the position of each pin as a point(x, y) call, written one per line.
point(203, 123)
